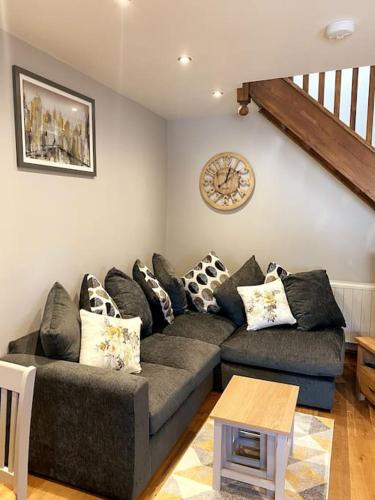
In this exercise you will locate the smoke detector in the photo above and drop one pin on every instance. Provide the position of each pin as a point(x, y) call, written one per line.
point(338, 30)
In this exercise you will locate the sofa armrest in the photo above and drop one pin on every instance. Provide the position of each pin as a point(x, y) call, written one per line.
point(89, 427)
point(28, 344)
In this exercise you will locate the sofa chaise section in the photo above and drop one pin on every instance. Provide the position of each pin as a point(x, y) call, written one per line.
point(309, 359)
point(316, 353)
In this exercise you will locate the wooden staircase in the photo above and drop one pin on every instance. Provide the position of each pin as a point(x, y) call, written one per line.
point(316, 118)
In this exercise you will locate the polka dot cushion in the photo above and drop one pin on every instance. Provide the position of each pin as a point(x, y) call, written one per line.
point(158, 298)
point(274, 272)
point(94, 298)
point(201, 282)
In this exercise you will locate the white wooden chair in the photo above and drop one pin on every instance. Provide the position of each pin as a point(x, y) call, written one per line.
point(17, 382)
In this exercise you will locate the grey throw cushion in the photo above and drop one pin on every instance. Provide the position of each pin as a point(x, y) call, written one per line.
point(229, 300)
point(60, 331)
point(171, 283)
point(312, 301)
point(129, 298)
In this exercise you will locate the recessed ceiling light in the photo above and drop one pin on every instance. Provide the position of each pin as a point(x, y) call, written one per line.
point(124, 3)
point(74, 110)
point(184, 60)
point(217, 93)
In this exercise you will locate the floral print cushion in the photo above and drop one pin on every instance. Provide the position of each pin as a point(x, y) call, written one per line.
point(110, 342)
point(266, 305)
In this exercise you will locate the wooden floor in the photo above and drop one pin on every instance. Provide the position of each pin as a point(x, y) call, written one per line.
point(353, 454)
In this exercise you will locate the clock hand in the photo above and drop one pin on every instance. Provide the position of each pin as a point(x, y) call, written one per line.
point(226, 178)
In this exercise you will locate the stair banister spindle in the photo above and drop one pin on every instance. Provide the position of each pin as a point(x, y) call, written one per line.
point(337, 93)
point(322, 80)
point(353, 106)
point(306, 83)
point(370, 108)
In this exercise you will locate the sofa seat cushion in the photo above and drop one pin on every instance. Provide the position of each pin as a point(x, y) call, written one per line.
point(316, 353)
point(207, 327)
point(197, 357)
point(174, 368)
point(168, 388)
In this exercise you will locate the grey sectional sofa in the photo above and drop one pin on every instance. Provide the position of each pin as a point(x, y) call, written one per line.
point(108, 432)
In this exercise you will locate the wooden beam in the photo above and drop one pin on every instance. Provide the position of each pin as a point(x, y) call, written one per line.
point(337, 93)
point(370, 108)
point(322, 80)
point(246, 90)
point(243, 94)
point(243, 99)
point(240, 98)
point(321, 133)
point(353, 106)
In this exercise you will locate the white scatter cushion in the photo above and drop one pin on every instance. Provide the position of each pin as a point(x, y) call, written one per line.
point(266, 305)
point(201, 282)
point(275, 272)
point(110, 342)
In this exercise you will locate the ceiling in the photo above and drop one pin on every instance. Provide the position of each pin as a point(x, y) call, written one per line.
point(134, 49)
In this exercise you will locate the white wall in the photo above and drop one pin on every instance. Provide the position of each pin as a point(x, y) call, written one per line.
point(299, 215)
point(57, 227)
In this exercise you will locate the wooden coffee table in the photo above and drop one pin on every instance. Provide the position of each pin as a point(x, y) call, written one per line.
point(253, 433)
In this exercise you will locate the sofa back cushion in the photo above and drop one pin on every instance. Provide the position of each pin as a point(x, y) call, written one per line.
point(312, 301)
point(227, 296)
point(60, 331)
point(129, 297)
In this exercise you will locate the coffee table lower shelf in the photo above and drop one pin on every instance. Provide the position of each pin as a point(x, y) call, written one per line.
point(266, 469)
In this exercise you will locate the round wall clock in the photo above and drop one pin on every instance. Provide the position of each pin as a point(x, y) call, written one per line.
point(227, 181)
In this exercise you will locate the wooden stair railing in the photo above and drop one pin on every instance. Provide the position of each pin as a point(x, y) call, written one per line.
point(357, 84)
point(320, 132)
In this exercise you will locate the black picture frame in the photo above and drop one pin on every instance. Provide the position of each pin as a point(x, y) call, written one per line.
point(45, 140)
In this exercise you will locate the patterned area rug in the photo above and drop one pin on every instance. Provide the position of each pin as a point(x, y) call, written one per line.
point(307, 476)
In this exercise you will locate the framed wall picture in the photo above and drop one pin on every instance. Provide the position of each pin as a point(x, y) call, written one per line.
point(55, 126)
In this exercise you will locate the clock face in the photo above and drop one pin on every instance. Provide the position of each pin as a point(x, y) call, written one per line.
point(227, 181)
